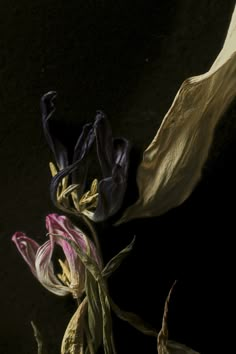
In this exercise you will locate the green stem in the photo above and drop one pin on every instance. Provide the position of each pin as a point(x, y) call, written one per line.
point(91, 228)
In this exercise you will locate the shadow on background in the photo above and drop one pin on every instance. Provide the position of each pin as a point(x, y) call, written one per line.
point(129, 59)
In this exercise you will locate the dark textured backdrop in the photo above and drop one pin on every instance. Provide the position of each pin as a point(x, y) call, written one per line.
point(129, 59)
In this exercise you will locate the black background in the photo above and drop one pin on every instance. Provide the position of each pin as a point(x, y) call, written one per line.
point(129, 59)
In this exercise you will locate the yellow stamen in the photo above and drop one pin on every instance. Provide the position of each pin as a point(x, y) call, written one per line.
point(53, 169)
point(89, 199)
point(65, 276)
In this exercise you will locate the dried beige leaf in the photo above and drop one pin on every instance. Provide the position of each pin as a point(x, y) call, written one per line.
point(164, 345)
point(73, 340)
point(173, 162)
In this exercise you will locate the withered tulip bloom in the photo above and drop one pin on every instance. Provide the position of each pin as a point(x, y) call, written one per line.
point(69, 189)
point(39, 258)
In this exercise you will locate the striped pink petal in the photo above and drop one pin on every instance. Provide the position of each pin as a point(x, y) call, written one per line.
point(27, 248)
point(45, 271)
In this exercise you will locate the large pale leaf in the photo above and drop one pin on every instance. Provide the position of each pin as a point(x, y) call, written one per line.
point(172, 163)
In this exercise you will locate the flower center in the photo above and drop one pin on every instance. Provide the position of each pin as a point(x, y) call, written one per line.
point(65, 276)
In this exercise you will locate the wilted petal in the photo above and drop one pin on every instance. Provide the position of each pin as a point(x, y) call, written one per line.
point(61, 225)
point(77, 170)
point(173, 162)
point(104, 142)
point(45, 272)
point(113, 158)
point(76, 268)
point(81, 150)
point(47, 109)
point(27, 248)
point(80, 238)
point(39, 260)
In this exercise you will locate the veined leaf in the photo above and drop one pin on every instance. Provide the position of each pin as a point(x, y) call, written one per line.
point(105, 298)
point(116, 261)
point(108, 341)
point(172, 164)
point(94, 316)
point(164, 345)
point(73, 340)
point(134, 320)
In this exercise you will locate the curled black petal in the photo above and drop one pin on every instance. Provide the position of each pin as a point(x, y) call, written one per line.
point(47, 110)
point(113, 155)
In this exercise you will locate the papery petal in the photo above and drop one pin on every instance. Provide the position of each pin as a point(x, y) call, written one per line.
point(104, 142)
point(113, 156)
point(45, 272)
point(47, 109)
point(76, 267)
point(173, 162)
point(78, 168)
point(61, 225)
point(81, 239)
point(27, 248)
point(81, 153)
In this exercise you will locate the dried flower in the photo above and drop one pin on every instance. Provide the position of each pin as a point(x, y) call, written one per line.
point(69, 189)
point(39, 258)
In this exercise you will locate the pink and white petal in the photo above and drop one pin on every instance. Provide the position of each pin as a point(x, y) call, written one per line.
point(77, 270)
point(75, 265)
point(81, 239)
point(27, 248)
point(74, 233)
point(62, 225)
point(45, 271)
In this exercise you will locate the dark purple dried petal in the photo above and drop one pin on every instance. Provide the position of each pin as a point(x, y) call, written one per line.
point(47, 110)
point(113, 158)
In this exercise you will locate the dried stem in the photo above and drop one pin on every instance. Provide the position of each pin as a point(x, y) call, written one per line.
point(39, 340)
